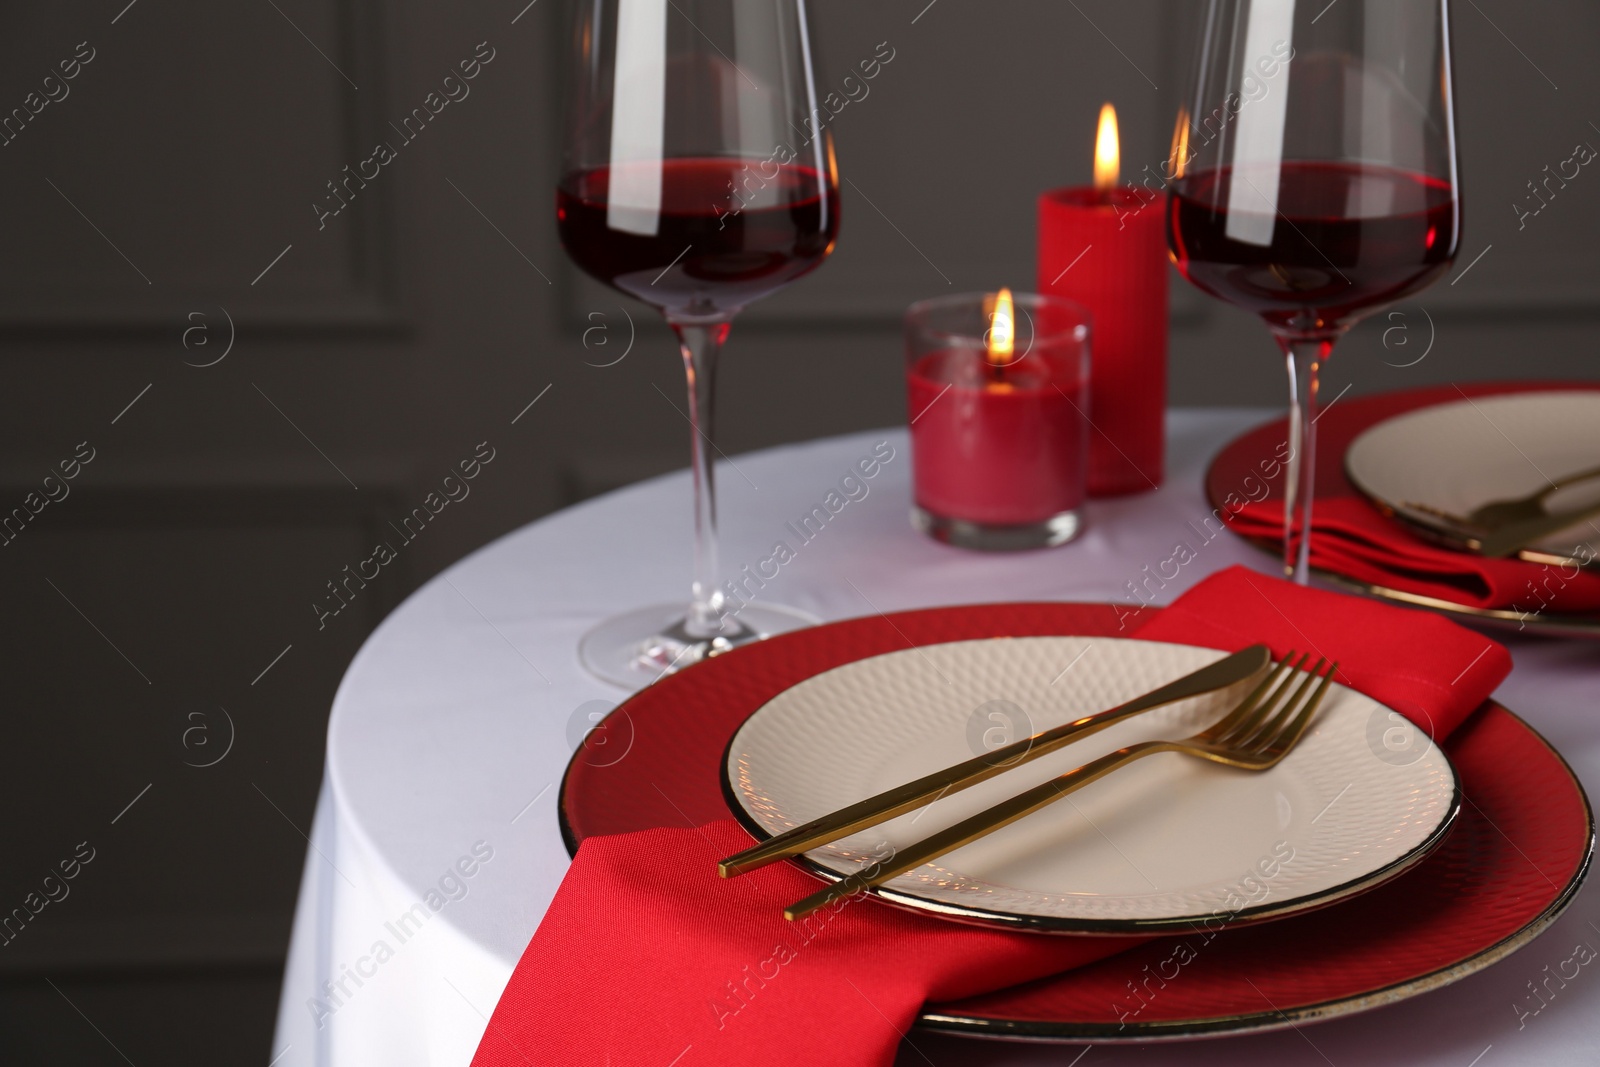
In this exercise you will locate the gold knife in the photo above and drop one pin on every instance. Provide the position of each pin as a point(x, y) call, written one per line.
point(901, 799)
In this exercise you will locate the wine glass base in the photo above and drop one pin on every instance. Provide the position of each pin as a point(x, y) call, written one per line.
point(1056, 530)
point(637, 648)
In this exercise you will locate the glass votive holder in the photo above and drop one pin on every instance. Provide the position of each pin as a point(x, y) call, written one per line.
point(999, 424)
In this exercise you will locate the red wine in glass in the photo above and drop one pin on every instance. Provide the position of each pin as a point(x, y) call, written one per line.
point(1347, 238)
point(1314, 180)
point(728, 232)
point(699, 176)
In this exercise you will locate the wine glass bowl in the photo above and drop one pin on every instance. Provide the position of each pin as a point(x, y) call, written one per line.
point(1320, 273)
point(698, 176)
point(711, 253)
point(1314, 182)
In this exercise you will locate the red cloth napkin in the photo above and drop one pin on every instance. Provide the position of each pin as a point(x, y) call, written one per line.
point(1353, 538)
point(647, 957)
point(1418, 663)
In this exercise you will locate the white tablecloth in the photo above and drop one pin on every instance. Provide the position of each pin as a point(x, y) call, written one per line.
point(435, 849)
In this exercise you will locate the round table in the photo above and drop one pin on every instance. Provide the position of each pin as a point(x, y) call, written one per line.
point(435, 848)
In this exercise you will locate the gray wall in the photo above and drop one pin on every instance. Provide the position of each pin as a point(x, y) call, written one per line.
point(172, 190)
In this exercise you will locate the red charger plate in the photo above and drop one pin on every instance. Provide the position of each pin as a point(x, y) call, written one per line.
point(1515, 859)
point(1237, 463)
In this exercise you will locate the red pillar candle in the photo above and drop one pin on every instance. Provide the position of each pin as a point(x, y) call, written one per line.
point(1106, 249)
point(998, 409)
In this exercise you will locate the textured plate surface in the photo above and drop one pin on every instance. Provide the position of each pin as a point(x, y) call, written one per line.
point(1457, 457)
point(1168, 840)
point(1513, 861)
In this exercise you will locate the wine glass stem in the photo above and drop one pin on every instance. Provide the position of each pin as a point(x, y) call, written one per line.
point(1305, 356)
point(700, 344)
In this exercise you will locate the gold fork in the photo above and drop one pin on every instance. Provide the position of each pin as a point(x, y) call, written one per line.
point(1500, 527)
point(1254, 736)
point(1498, 513)
point(1495, 542)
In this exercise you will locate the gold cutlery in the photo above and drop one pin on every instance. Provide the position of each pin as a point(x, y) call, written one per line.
point(1499, 513)
point(1493, 542)
point(1254, 736)
point(1505, 540)
point(1501, 527)
point(886, 805)
point(1439, 526)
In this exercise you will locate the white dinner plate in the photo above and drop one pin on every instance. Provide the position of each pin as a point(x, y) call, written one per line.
point(1458, 456)
point(1164, 843)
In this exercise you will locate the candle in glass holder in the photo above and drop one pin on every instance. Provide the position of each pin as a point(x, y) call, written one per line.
point(997, 395)
point(1106, 248)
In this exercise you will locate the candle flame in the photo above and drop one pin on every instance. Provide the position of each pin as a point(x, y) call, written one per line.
point(1180, 145)
point(1107, 150)
point(832, 191)
point(1002, 340)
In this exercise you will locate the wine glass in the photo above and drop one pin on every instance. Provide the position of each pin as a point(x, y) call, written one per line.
point(1314, 182)
point(698, 175)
